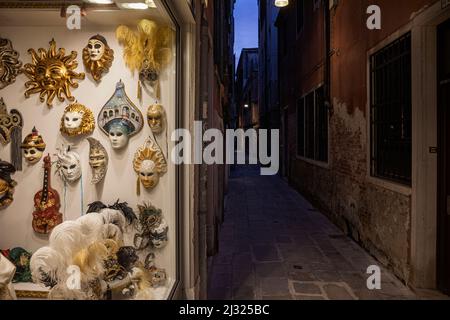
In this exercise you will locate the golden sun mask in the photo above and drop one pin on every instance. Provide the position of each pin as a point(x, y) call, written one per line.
point(52, 74)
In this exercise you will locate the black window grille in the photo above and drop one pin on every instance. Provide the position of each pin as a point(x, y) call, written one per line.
point(312, 126)
point(391, 122)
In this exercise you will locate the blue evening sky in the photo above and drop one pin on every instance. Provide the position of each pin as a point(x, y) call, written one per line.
point(246, 25)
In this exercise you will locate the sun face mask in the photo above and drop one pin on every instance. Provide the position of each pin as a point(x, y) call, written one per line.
point(77, 120)
point(120, 119)
point(98, 57)
point(68, 165)
point(156, 118)
point(98, 160)
point(52, 74)
point(149, 164)
point(10, 66)
point(33, 147)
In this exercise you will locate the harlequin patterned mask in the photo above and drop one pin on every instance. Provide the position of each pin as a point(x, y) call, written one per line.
point(156, 118)
point(98, 160)
point(10, 66)
point(68, 165)
point(120, 119)
point(33, 147)
point(98, 56)
point(150, 164)
point(77, 120)
point(52, 74)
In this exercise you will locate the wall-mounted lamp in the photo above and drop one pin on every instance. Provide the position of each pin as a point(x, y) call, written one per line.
point(281, 3)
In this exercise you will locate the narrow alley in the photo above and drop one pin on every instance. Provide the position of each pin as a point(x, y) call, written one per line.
point(274, 245)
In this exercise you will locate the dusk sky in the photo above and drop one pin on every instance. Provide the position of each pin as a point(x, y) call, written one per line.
point(246, 25)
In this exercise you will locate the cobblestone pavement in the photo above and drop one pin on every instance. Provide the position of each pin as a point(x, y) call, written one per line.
point(274, 245)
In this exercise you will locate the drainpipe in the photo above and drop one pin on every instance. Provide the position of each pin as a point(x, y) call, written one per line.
point(327, 69)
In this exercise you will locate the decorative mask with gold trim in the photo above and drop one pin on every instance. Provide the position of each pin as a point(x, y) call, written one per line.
point(156, 118)
point(52, 74)
point(33, 147)
point(98, 56)
point(77, 120)
point(98, 160)
point(150, 164)
point(7, 184)
point(10, 66)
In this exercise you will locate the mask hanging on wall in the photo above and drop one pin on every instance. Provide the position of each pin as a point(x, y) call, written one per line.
point(150, 164)
point(98, 57)
point(33, 147)
point(148, 51)
point(153, 228)
point(98, 160)
point(120, 119)
point(68, 165)
point(21, 259)
point(7, 184)
point(10, 66)
point(77, 120)
point(156, 118)
point(11, 125)
point(52, 74)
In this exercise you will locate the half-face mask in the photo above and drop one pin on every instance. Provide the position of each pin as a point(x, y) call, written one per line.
point(77, 120)
point(69, 165)
point(120, 119)
point(52, 74)
point(33, 147)
point(98, 56)
point(10, 66)
point(150, 219)
point(156, 118)
point(7, 184)
point(98, 160)
point(149, 164)
point(158, 235)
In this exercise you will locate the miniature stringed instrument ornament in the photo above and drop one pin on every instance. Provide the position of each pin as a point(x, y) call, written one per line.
point(47, 204)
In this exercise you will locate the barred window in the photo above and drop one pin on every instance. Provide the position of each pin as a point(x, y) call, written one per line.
point(312, 126)
point(391, 122)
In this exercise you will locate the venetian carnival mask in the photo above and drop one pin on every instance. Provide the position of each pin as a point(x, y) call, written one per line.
point(77, 120)
point(150, 164)
point(98, 160)
point(98, 56)
point(153, 228)
point(10, 66)
point(33, 147)
point(7, 184)
point(11, 124)
point(156, 118)
point(148, 51)
point(52, 74)
point(68, 165)
point(120, 119)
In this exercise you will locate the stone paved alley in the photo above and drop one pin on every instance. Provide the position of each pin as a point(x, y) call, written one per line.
point(275, 245)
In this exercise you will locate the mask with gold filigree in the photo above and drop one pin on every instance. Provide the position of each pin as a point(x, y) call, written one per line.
point(10, 66)
point(98, 56)
point(52, 74)
point(77, 120)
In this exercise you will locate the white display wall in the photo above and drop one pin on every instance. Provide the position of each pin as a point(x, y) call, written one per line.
point(120, 182)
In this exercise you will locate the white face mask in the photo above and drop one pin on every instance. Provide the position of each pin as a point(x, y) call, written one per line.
point(118, 138)
point(32, 155)
point(73, 120)
point(96, 49)
point(69, 166)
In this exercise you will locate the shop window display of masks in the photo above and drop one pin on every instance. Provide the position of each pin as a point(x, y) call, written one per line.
point(89, 104)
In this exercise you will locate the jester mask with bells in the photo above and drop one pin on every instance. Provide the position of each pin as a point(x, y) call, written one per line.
point(52, 74)
point(77, 120)
point(156, 118)
point(33, 147)
point(98, 56)
point(68, 165)
point(150, 164)
point(120, 119)
point(10, 66)
point(98, 160)
point(147, 51)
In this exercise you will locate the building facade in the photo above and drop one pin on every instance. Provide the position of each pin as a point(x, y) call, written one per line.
point(246, 89)
point(360, 110)
point(268, 66)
